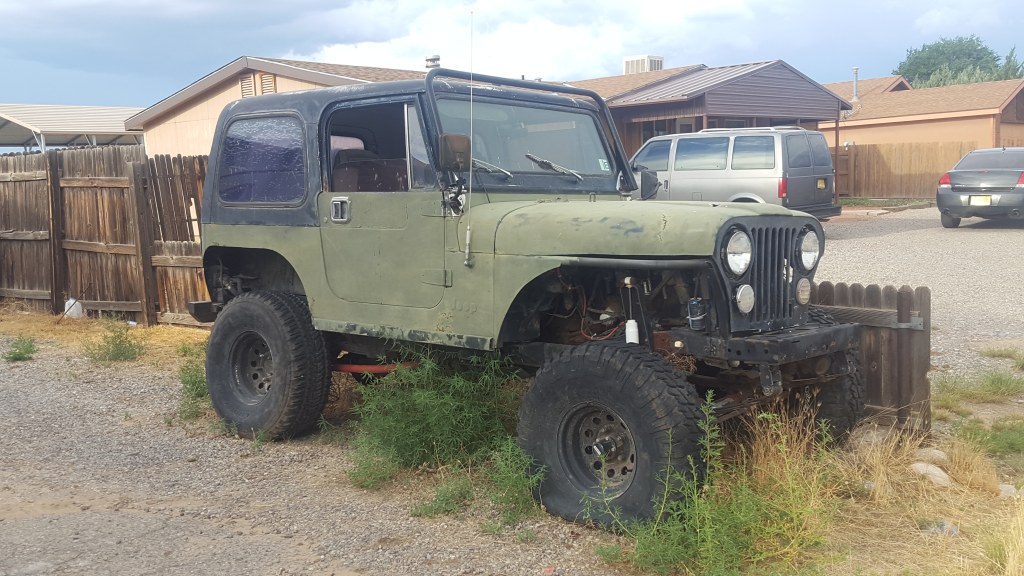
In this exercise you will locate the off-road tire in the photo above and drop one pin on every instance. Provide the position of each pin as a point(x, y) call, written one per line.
point(266, 366)
point(628, 389)
point(840, 402)
point(949, 221)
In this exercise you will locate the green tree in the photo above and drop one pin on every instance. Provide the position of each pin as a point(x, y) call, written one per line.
point(957, 54)
point(1011, 68)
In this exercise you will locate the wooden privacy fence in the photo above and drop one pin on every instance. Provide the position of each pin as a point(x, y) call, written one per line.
point(103, 225)
point(906, 170)
point(895, 346)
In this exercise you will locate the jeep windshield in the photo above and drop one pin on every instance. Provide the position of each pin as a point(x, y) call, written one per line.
point(517, 145)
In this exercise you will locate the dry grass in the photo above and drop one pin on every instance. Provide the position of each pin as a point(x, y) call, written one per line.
point(77, 334)
point(1012, 544)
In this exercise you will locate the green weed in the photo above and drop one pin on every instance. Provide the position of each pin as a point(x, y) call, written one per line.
point(117, 344)
point(762, 506)
point(949, 392)
point(450, 497)
point(512, 481)
point(192, 375)
point(526, 536)
point(1018, 363)
point(374, 464)
point(610, 554)
point(21, 349)
point(441, 412)
point(1001, 352)
point(1003, 438)
point(881, 202)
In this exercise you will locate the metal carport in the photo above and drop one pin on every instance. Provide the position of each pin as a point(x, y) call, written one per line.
point(39, 126)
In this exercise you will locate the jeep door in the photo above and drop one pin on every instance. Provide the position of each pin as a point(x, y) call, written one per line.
point(380, 214)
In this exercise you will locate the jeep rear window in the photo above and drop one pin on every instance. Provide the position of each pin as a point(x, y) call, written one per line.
point(504, 133)
point(753, 153)
point(702, 153)
point(262, 161)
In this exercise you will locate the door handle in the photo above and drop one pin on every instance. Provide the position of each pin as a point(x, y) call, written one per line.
point(666, 186)
point(341, 210)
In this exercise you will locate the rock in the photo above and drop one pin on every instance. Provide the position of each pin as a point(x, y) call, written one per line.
point(932, 472)
point(932, 456)
point(1007, 491)
point(942, 527)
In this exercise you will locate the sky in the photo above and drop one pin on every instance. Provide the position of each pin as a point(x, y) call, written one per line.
point(137, 52)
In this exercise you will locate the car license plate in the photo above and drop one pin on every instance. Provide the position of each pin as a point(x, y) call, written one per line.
point(821, 183)
point(980, 201)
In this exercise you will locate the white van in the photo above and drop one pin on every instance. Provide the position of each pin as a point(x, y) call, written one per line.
point(784, 165)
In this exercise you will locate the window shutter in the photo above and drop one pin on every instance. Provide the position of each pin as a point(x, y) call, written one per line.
point(268, 84)
point(248, 85)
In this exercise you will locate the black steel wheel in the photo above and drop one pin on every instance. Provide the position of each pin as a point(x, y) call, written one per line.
point(605, 422)
point(266, 366)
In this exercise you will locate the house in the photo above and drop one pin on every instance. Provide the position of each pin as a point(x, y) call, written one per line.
point(902, 139)
point(39, 126)
point(691, 98)
point(183, 123)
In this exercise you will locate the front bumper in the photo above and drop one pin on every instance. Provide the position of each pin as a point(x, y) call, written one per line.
point(957, 203)
point(781, 347)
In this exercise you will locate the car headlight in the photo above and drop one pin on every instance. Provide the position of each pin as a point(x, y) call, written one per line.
point(810, 249)
point(738, 252)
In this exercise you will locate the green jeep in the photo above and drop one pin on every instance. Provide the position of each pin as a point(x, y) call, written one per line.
point(485, 214)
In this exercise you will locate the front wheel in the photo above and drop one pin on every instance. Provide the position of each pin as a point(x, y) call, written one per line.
point(266, 366)
point(606, 421)
point(839, 402)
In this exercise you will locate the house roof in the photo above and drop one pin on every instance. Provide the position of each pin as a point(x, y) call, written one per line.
point(612, 86)
point(943, 99)
point(868, 86)
point(20, 124)
point(314, 72)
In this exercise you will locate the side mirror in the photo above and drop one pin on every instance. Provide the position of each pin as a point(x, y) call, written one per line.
point(455, 152)
point(649, 183)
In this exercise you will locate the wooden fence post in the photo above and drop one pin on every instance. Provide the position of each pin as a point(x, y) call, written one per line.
point(139, 210)
point(904, 355)
point(58, 259)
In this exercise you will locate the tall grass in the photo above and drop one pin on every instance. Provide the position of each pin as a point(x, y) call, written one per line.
point(117, 344)
point(950, 391)
point(23, 348)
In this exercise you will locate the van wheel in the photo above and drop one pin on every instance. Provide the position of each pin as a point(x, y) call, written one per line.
point(949, 221)
point(605, 422)
point(266, 366)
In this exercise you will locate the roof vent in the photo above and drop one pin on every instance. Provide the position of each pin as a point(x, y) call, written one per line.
point(268, 84)
point(637, 64)
point(247, 84)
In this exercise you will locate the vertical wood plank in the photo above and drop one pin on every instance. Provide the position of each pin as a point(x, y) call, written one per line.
point(143, 242)
point(58, 258)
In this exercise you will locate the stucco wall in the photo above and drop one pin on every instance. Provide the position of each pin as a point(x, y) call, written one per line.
point(975, 129)
point(1012, 134)
point(189, 129)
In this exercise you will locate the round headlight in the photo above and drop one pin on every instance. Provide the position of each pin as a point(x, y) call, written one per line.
point(745, 299)
point(810, 248)
point(803, 291)
point(738, 252)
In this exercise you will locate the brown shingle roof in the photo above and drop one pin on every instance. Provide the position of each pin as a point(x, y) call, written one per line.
point(365, 73)
point(611, 86)
point(919, 101)
point(867, 86)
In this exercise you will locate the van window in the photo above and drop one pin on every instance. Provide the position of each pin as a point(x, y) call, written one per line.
point(798, 152)
point(262, 161)
point(819, 150)
point(753, 153)
point(701, 153)
point(654, 156)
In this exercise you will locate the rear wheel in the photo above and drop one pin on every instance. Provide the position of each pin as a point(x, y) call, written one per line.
point(266, 365)
point(949, 221)
point(605, 421)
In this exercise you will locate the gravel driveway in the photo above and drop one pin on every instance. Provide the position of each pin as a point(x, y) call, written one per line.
point(975, 273)
point(93, 479)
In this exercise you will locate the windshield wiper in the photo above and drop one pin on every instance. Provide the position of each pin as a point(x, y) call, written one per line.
point(491, 168)
point(553, 167)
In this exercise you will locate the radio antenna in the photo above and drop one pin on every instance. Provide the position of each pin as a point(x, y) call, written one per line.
point(468, 262)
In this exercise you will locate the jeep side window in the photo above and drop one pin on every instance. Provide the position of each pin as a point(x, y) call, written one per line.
point(380, 164)
point(753, 153)
point(654, 156)
point(262, 161)
point(421, 172)
point(798, 152)
point(702, 153)
point(819, 150)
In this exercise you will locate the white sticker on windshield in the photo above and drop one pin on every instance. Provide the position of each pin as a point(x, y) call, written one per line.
point(604, 164)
